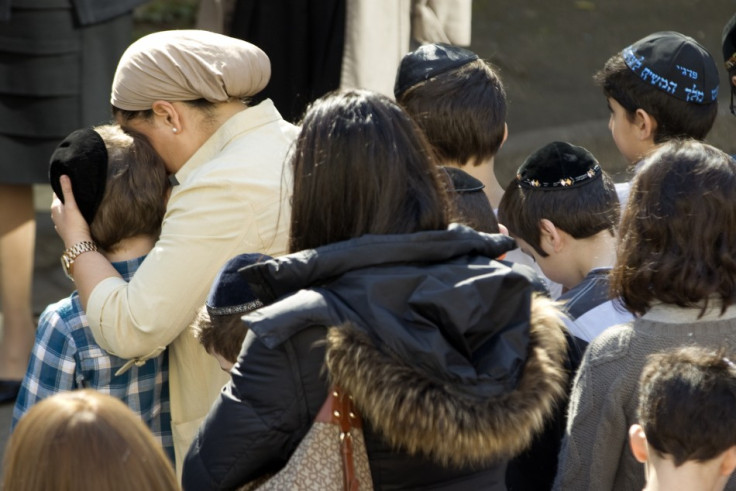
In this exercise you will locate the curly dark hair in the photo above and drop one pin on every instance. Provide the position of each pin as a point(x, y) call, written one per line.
point(678, 232)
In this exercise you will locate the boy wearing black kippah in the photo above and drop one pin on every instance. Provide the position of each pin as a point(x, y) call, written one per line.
point(458, 101)
point(218, 325)
point(563, 211)
point(121, 187)
point(661, 87)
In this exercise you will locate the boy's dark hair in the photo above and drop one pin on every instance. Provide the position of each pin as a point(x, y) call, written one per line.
point(675, 117)
point(471, 206)
point(582, 208)
point(462, 112)
point(134, 201)
point(221, 334)
point(678, 230)
point(687, 404)
point(219, 325)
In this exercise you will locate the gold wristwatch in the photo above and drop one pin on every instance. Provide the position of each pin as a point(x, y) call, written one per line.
point(69, 255)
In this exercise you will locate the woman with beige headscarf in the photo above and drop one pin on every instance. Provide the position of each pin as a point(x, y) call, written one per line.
point(186, 91)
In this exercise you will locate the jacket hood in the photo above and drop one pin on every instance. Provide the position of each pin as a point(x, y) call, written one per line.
point(434, 298)
point(271, 280)
point(415, 412)
point(434, 336)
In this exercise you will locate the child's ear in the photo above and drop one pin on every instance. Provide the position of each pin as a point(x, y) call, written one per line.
point(638, 443)
point(506, 134)
point(550, 236)
point(645, 124)
point(728, 464)
point(503, 230)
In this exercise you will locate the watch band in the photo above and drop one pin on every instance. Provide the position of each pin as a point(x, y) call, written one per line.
point(72, 253)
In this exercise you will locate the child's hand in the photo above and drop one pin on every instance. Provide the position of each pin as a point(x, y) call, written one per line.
point(68, 220)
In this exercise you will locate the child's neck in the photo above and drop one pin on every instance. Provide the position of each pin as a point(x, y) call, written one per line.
point(130, 248)
point(598, 251)
point(691, 476)
point(484, 173)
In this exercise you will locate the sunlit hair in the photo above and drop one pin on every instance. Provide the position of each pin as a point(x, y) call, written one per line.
point(134, 202)
point(220, 334)
point(362, 167)
point(678, 232)
point(84, 441)
point(462, 112)
point(687, 404)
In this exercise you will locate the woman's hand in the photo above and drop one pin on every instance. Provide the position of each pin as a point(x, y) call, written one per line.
point(68, 220)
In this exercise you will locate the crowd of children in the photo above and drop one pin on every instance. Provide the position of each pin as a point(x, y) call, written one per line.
point(626, 382)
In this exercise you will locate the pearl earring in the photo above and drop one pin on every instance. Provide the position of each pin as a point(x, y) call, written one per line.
point(174, 130)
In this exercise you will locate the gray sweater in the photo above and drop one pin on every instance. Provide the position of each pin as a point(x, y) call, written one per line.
point(595, 453)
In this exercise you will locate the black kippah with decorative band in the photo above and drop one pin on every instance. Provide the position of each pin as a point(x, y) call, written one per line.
point(731, 62)
point(428, 61)
point(558, 166)
point(230, 292)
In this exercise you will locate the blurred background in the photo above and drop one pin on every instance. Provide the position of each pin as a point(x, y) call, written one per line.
point(547, 52)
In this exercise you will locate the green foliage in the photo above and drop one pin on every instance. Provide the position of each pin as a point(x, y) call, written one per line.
point(158, 15)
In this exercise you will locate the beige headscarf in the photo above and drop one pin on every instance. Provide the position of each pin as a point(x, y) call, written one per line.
point(185, 65)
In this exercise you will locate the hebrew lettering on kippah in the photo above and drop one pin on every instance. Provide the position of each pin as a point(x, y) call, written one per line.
point(694, 95)
point(714, 94)
point(686, 72)
point(658, 80)
point(633, 61)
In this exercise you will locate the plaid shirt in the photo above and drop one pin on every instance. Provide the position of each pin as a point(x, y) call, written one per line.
point(65, 357)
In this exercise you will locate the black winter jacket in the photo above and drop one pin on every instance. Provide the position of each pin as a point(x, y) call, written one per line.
point(451, 363)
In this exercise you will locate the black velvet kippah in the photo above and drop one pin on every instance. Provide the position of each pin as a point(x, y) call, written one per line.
point(728, 44)
point(558, 165)
point(463, 182)
point(675, 64)
point(231, 293)
point(83, 157)
point(427, 61)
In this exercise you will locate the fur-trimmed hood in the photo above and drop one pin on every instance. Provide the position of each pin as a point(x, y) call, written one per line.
point(417, 413)
point(441, 346)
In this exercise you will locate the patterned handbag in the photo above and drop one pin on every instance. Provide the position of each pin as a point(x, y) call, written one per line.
point(331, 457)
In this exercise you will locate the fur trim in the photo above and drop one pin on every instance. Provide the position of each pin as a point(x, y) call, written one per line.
point(418, 415)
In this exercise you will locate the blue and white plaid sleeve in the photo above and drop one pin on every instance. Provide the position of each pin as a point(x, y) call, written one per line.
point(52, 364)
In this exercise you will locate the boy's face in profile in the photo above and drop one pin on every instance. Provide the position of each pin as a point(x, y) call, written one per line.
point(624, 132)
point(549, 265)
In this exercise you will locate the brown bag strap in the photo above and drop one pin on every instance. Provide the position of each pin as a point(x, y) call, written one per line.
point(339, 410)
